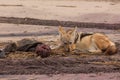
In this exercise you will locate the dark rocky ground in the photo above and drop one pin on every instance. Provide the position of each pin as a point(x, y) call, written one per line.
point(18, 63)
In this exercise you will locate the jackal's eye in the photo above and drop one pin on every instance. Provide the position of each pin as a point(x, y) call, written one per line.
point(65, 42)
point(70, 42)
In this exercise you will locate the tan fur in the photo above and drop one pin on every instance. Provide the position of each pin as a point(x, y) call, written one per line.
point(95, 43)
point(104, 43)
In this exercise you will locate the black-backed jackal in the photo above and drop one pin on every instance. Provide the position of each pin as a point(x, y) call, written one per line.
point(88, 43)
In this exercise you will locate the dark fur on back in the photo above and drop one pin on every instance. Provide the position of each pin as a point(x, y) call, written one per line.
point(84, 35)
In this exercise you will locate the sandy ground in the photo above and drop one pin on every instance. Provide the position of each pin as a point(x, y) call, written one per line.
point(63, 10)
point(14, 32)
point(99, 76)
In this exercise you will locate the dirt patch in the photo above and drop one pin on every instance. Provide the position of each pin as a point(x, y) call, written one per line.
point(55, 65)
point(5, 5)
point(33, 21)
point(65, 6)
point(29, 63)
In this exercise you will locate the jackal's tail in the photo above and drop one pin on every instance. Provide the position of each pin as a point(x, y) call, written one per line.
point(111, 50)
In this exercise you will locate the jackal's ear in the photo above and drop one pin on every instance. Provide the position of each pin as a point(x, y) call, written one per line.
point(73, 35)
point(61, 30)
point(75, 29)
point(72, 31)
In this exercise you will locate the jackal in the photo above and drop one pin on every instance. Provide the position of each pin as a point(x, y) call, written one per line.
point(86, 42)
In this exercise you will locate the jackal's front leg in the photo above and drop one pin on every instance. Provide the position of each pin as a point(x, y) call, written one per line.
point(78, 52)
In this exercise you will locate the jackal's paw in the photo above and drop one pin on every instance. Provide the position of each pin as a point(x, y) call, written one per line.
point(95, 53)
point(76, 52)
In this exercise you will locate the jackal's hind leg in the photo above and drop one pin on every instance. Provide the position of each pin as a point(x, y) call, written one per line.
point(95, 51)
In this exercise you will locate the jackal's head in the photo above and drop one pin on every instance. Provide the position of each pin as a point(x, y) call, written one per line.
point(67, 38)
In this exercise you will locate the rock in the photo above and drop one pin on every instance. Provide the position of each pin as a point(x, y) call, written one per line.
point(2, 54)
point(43, 50)
point(25, 41)
point(28, 47)
point(11, 47)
